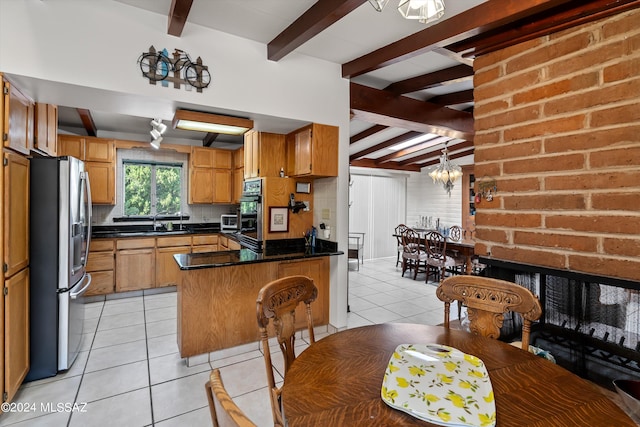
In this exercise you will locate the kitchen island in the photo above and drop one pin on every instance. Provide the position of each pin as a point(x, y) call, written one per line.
point(217, 293)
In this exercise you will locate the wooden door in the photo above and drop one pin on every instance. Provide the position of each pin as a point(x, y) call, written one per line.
point(102, 177)
point(16, 331)
point(222, 159)
point(222, 186)
point(201, 157)
point(303, 153)
point(16, 213)
point(130, 274)
point(99, 150)
point(70, 145)
point(238, 179)
point(201, 185)
point(18, 112)
point(167, 270)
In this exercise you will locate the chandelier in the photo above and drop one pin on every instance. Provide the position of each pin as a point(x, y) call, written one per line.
point(424, 11)
point(445, 173)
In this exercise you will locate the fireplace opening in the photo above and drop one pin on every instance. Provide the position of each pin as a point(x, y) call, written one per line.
point(590, 324)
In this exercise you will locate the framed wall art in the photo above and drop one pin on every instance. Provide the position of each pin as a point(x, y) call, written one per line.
point(278, 219)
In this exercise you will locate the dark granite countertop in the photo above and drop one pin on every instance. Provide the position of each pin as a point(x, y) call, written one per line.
point(245, 256)
point(111, 231)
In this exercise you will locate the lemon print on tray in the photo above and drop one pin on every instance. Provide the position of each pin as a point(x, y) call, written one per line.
point(439, 384)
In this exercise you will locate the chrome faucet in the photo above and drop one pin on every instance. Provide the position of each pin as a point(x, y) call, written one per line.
point(155, 222)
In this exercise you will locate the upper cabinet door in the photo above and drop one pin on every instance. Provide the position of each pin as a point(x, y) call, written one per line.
point(100, 150)
point(70, 145)
point(201, 157)
point(16, 213)
point(46, 128)
point(18, 112)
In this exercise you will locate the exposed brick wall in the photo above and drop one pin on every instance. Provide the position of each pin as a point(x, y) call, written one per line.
point(557, 124)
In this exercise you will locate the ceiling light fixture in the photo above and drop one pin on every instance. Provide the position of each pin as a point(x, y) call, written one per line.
point(446, 173)
point(412, 141)
point(378, 4)
point(155, 143)
point(214, 123)
point(424, 11)
point(158, 128)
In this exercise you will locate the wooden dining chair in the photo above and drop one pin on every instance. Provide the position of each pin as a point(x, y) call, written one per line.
point(398, 233)
point(276, 306)
point(224, 411)
point(414, 256)
point(438, 262)
point(487, 300)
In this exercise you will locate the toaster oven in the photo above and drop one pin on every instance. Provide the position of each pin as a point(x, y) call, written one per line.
point(228, 222)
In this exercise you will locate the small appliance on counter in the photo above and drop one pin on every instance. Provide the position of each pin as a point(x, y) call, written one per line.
point(228, 222)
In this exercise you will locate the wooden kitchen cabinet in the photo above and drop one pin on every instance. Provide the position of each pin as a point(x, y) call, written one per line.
point(238, 180)
point(16, 213)
point(313, 151)
point(16, 112)
point(45, 137)
point(238, 158)
point(101, 266)
point(102, 177)
point(99, 157)
point(167, 270)
point(210, 176)
point(205, 243)
point(201, 185)
point(264, 154)
point(135, 264)
point(71, 145)
point(222, 186)
point(16, 332)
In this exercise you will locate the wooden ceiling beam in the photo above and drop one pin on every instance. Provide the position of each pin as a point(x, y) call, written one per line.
point(451, 157)
point(370, 163)
point(478, 20)
point(576, 12)
point(385, 108)
point(178, 14)
point(447, 76)
point(316, 19)
point(381, 146)
point(366, 133)
point(453, 98)
point(413, 149)
point(87, 121)
point(209, 138)
point(454, 153)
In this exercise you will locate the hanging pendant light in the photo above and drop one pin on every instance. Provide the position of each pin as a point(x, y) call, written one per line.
point(424, 11)
point(446, 173)
point(378, 5)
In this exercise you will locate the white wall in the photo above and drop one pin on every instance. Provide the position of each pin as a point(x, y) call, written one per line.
point(88, 49)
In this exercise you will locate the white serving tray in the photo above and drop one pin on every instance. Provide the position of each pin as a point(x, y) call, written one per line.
point(439, 384)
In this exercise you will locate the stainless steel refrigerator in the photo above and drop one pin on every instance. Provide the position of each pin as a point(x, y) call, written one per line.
point(60, 220)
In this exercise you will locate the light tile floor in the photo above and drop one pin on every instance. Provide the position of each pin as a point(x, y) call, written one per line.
point(129, 372)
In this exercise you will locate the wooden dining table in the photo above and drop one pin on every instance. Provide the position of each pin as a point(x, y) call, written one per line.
point(464, 247)
point(337, 382)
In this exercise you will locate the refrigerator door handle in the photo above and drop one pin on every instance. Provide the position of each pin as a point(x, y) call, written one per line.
point(87, 185)
point(74, 295)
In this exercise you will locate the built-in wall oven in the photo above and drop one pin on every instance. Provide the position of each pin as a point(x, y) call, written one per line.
point(251, 215)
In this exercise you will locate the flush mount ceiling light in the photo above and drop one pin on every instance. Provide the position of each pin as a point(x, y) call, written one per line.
point(207, 122)
point(424, 11)
point(446, 173)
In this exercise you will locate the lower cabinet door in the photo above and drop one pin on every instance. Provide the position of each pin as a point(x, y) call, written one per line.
point(167, 270)
point(16, 331)
point(135, 269)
